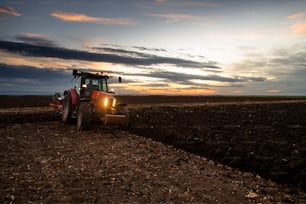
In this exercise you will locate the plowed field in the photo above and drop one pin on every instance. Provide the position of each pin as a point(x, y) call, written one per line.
point(208, 152)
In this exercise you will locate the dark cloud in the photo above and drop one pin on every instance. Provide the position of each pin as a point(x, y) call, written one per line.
point(285, 59)
point(35, 39)
point(182, 78)
point(210, 66)
point(150, 49)
point(255, 79)
point(285, 66)
point(123, 52)
point(156, 85)
point(31, 80)
point(27, 49)
point(279, 60)
point(12, 71)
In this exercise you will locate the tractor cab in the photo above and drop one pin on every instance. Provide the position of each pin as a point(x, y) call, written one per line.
point(87, 83)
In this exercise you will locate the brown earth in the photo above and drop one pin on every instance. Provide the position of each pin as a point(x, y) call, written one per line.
point(225, 152)
point(15, 101)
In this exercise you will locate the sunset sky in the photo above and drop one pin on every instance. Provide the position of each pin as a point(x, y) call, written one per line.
point(196, 47)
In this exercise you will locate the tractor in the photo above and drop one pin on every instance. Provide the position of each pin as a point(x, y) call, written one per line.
point(90, 100)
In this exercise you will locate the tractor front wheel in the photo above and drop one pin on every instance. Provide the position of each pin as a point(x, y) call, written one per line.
point(84, 116)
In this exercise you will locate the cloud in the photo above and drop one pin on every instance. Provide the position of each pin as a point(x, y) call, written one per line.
point(8, 11)
point(192, 79)
point(27, 49)
point(273, 91)
point(295, 16)
point(35, 39)
point(299, 29)
point(151, 53)
point(284, 69)
point(174, 16)
point(150, 49)
point(119, 51)
point(28, 79)
point(32, 80)
point(289, 59)
point(28, 72)
point(78, 17)
point(177, 74)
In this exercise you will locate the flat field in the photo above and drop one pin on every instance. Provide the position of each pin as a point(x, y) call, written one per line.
point(176, 149)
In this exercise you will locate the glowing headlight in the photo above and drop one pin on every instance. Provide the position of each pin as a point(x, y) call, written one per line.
point(105, 102)
point(114, 103)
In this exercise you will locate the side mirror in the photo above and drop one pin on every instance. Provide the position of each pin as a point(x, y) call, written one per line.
point(119, 79)
point(74, 72)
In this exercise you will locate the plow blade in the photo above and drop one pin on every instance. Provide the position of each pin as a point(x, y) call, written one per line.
point(115, 120)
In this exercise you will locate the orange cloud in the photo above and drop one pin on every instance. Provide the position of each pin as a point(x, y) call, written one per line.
point(168, 90)
point(77, 17)
point(9, 11)
point(17, 60)
point(273, 91)
point(299, 28)
point(33, 35)
point(295, 16)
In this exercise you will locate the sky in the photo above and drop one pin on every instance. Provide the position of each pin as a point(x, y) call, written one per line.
point(163, 47)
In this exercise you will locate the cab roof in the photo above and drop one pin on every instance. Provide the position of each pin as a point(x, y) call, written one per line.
point(89, 74)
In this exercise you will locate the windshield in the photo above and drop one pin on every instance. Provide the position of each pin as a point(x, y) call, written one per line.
point(96, 84)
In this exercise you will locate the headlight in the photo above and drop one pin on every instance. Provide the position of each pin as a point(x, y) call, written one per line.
point(106, 102)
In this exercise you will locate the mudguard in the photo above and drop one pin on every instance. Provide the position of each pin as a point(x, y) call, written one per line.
point(74, 97)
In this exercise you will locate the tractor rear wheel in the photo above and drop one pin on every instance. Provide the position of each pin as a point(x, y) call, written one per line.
point(67, 108)
point(84, 116)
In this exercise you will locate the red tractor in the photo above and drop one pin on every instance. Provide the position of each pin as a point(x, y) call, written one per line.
point(90, 100)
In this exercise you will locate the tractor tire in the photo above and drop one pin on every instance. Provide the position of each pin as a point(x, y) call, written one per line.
point(67, 108)
point(84, 116)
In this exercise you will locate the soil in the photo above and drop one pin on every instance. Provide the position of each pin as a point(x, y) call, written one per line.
point(225, 152)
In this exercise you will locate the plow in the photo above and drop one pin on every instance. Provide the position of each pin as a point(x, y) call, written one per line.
point(88, 101)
